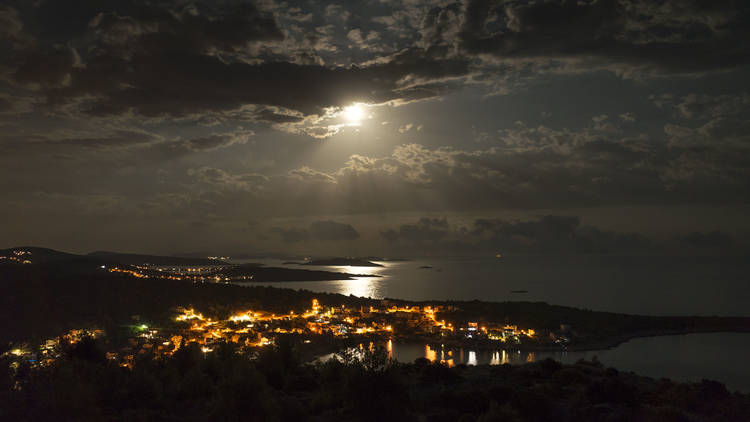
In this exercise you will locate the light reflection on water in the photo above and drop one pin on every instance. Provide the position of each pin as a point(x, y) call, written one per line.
point(374, 287)
point(408, 352)
point(675, 285)
point(359, 286)
point(690, 357)
point(686, 358)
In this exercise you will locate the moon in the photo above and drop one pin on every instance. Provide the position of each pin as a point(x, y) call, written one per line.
point(354, 113)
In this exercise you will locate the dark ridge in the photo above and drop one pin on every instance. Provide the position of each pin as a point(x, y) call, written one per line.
point(41, 255)
point(138, 259)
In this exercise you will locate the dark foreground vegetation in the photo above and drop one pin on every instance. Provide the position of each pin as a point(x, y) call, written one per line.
point(275, 386)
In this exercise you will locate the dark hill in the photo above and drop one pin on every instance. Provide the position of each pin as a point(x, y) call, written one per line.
point(40, 255)
point(138, 259)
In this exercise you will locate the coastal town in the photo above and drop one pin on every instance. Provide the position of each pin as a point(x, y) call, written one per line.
point(251, 330)
point(16, 257)
point(208, 274)
point(321, 328)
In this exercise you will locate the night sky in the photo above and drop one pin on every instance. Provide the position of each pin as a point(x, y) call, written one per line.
point(380, 127)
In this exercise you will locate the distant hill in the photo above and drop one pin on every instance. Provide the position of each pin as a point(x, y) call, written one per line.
point(138, 259)
point(38, 255)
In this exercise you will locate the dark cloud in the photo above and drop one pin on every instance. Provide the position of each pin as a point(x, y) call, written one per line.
point(199, 224)
point(12, 35)
point(217, 86)
point(208, 143)
point(389, 235)
point(674, 36)
point(225, 187)
point(332, 231)
point(325, 231)
point(714, 239)
point(206, 24)
point(425, 230)
point(48, 68)
point(547, 234)
point(292, 235)
point(114, 58)
point(114, 139)
point(274, 115)
point(198, 59)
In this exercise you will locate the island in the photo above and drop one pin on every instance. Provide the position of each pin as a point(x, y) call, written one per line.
point(342, 262)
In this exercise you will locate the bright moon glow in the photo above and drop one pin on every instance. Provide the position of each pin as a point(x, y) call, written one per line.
point(354, 113)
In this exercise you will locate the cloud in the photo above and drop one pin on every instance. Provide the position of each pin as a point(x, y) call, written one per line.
point(107, 59)
point(332, 231)
point(218, 60)
point(627, 117)
point(714, 239)
point(209, 143)
point(216, 86)
point(621, 35)
point(525, 168)
point(704, 107)
point(12, 34)
point(389, 235)
point(405, 128)
point(306, 174)
point(68, 142)
point(323, 231)
point(364, 41)
point(47, 68)
point(546, 234)
point(425, 230)
point(292, 235)
point(221, 180)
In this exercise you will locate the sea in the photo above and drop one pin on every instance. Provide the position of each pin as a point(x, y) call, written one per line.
point(647, 285)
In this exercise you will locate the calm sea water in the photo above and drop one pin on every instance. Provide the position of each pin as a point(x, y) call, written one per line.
point(689, 358)
point(631, 284)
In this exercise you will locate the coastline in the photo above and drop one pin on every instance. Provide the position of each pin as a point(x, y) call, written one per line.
point(606, 344)
point(612, 343)
point(317, 350)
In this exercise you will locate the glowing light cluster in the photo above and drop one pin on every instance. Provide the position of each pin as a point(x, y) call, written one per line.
point(254, 328)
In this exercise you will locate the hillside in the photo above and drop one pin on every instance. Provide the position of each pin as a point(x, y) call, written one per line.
point(224, 385)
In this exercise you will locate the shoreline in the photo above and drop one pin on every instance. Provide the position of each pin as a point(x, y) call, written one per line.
point(624, 338)
point(585, 347)
point(331, 348)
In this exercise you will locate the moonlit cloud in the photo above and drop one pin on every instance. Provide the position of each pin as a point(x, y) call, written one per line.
point(363, 126)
